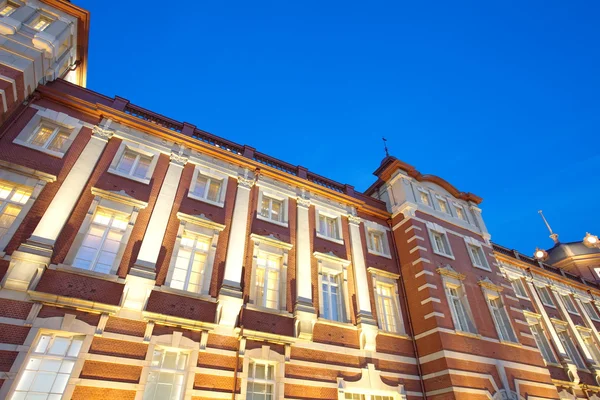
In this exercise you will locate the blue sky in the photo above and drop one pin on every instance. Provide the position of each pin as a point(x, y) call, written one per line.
point(501, 99)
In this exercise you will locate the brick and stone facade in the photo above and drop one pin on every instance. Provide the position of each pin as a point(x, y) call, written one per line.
point(145, 258)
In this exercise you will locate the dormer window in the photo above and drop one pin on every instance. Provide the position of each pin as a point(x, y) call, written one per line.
point(424, 197)
point(460, 212)
point(8, 9)
point(41, 23)
point(444, 206)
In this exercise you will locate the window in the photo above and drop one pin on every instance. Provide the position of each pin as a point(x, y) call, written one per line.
point(457, 300)
point(12, 199)
point(266, 291)
point(8, 9)
point(261, 381)
point(591, 346)
point(134, 164)
point(460, 212)
point(424, 197)
point(377, 242)
point(545, 296)
point(572, 351)
point(332, 299)
point(500, 316)
point(328, 226)
point(440, 243)
point(101, 243)
point(591, 311)
point(478, 257)
point(49, 137)
point(542, 342)
point(188, 273)
point(519, 288)
point(49, 367)
point(167, 375)
point(41, 23)
point(443, 204)
point(569, 304)
point(272, 208)
point(387, 307)
point(208, 188)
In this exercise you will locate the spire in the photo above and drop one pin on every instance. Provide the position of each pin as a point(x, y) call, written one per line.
point(387, 154)
point(553, 236)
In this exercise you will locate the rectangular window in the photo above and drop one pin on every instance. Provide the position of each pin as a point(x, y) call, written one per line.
point(188, 273)
point(440, 243)
point(591, 346)
point(591, 311)
point(388, 308)
point(167, 375)
point(545, 296)
point(42, 23)
point(134, 164)
point(49, 137)
point(208, 188)
point(272, 209)
point(376, 241)
point(328, 226)
point(267, 280)
point(48, 369)
point(542, 342)
point(505, 330)
point(443, 204)
point(571, 349)
point(569, 304)
point(460, 212)
point(12, 199)
point(424, 197)
point(261, 381)
point(519, 288)
point(8, 9)
point(102, 241)
point(332, 298)
point(478, 257)
point(457, 300)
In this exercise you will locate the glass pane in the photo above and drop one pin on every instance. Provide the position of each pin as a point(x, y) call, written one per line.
point(59, 346)
point(141, 169)
point(43, 382)
point(58, 142)
point(126, 162)
point(276, 210)
point(201, 184)
point(170, 360)
point(60, 383)
point(214, 190)
point(42, 136)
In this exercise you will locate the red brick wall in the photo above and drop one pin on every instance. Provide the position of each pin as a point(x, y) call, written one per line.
point(13, 334)
point(14, 308)
point(267, 322)
point(98, 393)
point(81, 287)
point(110, 372)
point(49, 311)
point(7, 358)
point(125, 326)
point(181, 306)
point(118, 348)
point(324, 333)
point(215, 383)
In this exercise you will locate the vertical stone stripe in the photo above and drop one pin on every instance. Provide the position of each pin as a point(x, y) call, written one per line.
point(303, 267)
point(360, 269)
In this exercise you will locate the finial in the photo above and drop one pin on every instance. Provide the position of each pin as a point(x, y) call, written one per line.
point(553, 235)
point(387, 154)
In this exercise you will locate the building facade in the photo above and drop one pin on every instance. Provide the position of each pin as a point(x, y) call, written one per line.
point(144, 258)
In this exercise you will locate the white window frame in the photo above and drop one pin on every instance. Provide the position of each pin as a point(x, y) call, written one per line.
point(5, 6)
point(212, 174)
point(197, 226)
point(589, 305)
point(542, 341)
point(383, 278)
point(374, 228)
point(334, 266)
point(503, 324)
point(76, 343)
point(337, 220)
point(264, 284)
point(273, 196)
point(518, 282)
point(435, 228)
point(472, 246)
point(426, 192)
point(441, 200)
point(142, 151)
point(570, 346)
point(593, 349)
point(457, 207)
point(451, 284)
point(48, 21)
point(547, 290)
point(267, 382)
point(569, 303)
point(159, 369)
point(264, 355)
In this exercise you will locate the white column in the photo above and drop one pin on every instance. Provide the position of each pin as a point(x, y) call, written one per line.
point(363, 299)
point(67, 196)
point(155, 232)
point(546, 318)
point(303, 261)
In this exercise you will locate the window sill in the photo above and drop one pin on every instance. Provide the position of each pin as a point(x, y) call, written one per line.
point(393, 334)
point(185, 293)
point(509, 343)
point(468, 334)
point(451, 257)
point(549, 305)
point(263, 218)
point(552, 364)
point(52, 153)
point(334, 240)
point(79, 271)
point(376, 253)
point(593, 319)
point(145, 181)
point(214, 203)
point(522, 298)
point(488, 269)
point(339, 324)
point(253, 307)
point(574, 313)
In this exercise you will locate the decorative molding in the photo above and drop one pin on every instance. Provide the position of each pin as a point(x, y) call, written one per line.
point(353, 219)
point(246, 182)
point(302, 202)
point(102, 133)
point(488, 284)
point(380, 272)
point(179, 157)
point(121, 197)
point(271, 240)
point(201, 220)
point(331, 258)
point(450, 272)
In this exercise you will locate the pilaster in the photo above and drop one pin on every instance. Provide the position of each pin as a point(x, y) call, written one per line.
point(304, 309)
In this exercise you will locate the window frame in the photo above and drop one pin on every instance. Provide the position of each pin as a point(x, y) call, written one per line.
point(373, 228)
point(461, 297)
point(443, 203)
point(423, 191)
point(521, 285)
point(39, 18)
point(462, 209)
point(548, 291)
point(161, 369)
point(592, 348)
point(6, 5)
point(594, 316)
point(201, 170)
point(436, 229)
point(137, 149)
point(473, 246)
point(273, 197)
point(263, 303)
point(569, 303)
point(194, 250)
point(334, 266)
point(383, 278)
point(337, 220)
point(541, 334)
point(250, 379)
point(502, 322)
point(568, 342)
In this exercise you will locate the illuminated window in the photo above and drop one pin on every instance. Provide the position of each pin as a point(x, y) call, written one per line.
point(545, 296)
point(569, 304)
point(591, 345)
point(328, 226)
point(591, 311)
point(261, 381)
point(424, 197)
point(188, 273)
point(460, 212)
point(12, 199)
point(134, 164)
point(49, 137)
point(571, 349)
point(542, 342)
point(500, 316)
point(332, 297)
point(443, 204)
point(167, 375)
point(41, 23)
point(266, 291)
point(8, 9)
point(388, 308)
point(478, 257)
point(519, 288)
point(271, 208)
point(101, 243)
point(440, 243)
point(208, 188)
point(457, 300)
point(48, 369)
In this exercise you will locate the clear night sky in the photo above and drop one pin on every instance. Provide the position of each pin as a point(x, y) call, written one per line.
point(501, 99)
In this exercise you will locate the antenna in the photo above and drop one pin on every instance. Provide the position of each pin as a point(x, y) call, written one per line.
point(553, 235)
point(387, 154)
